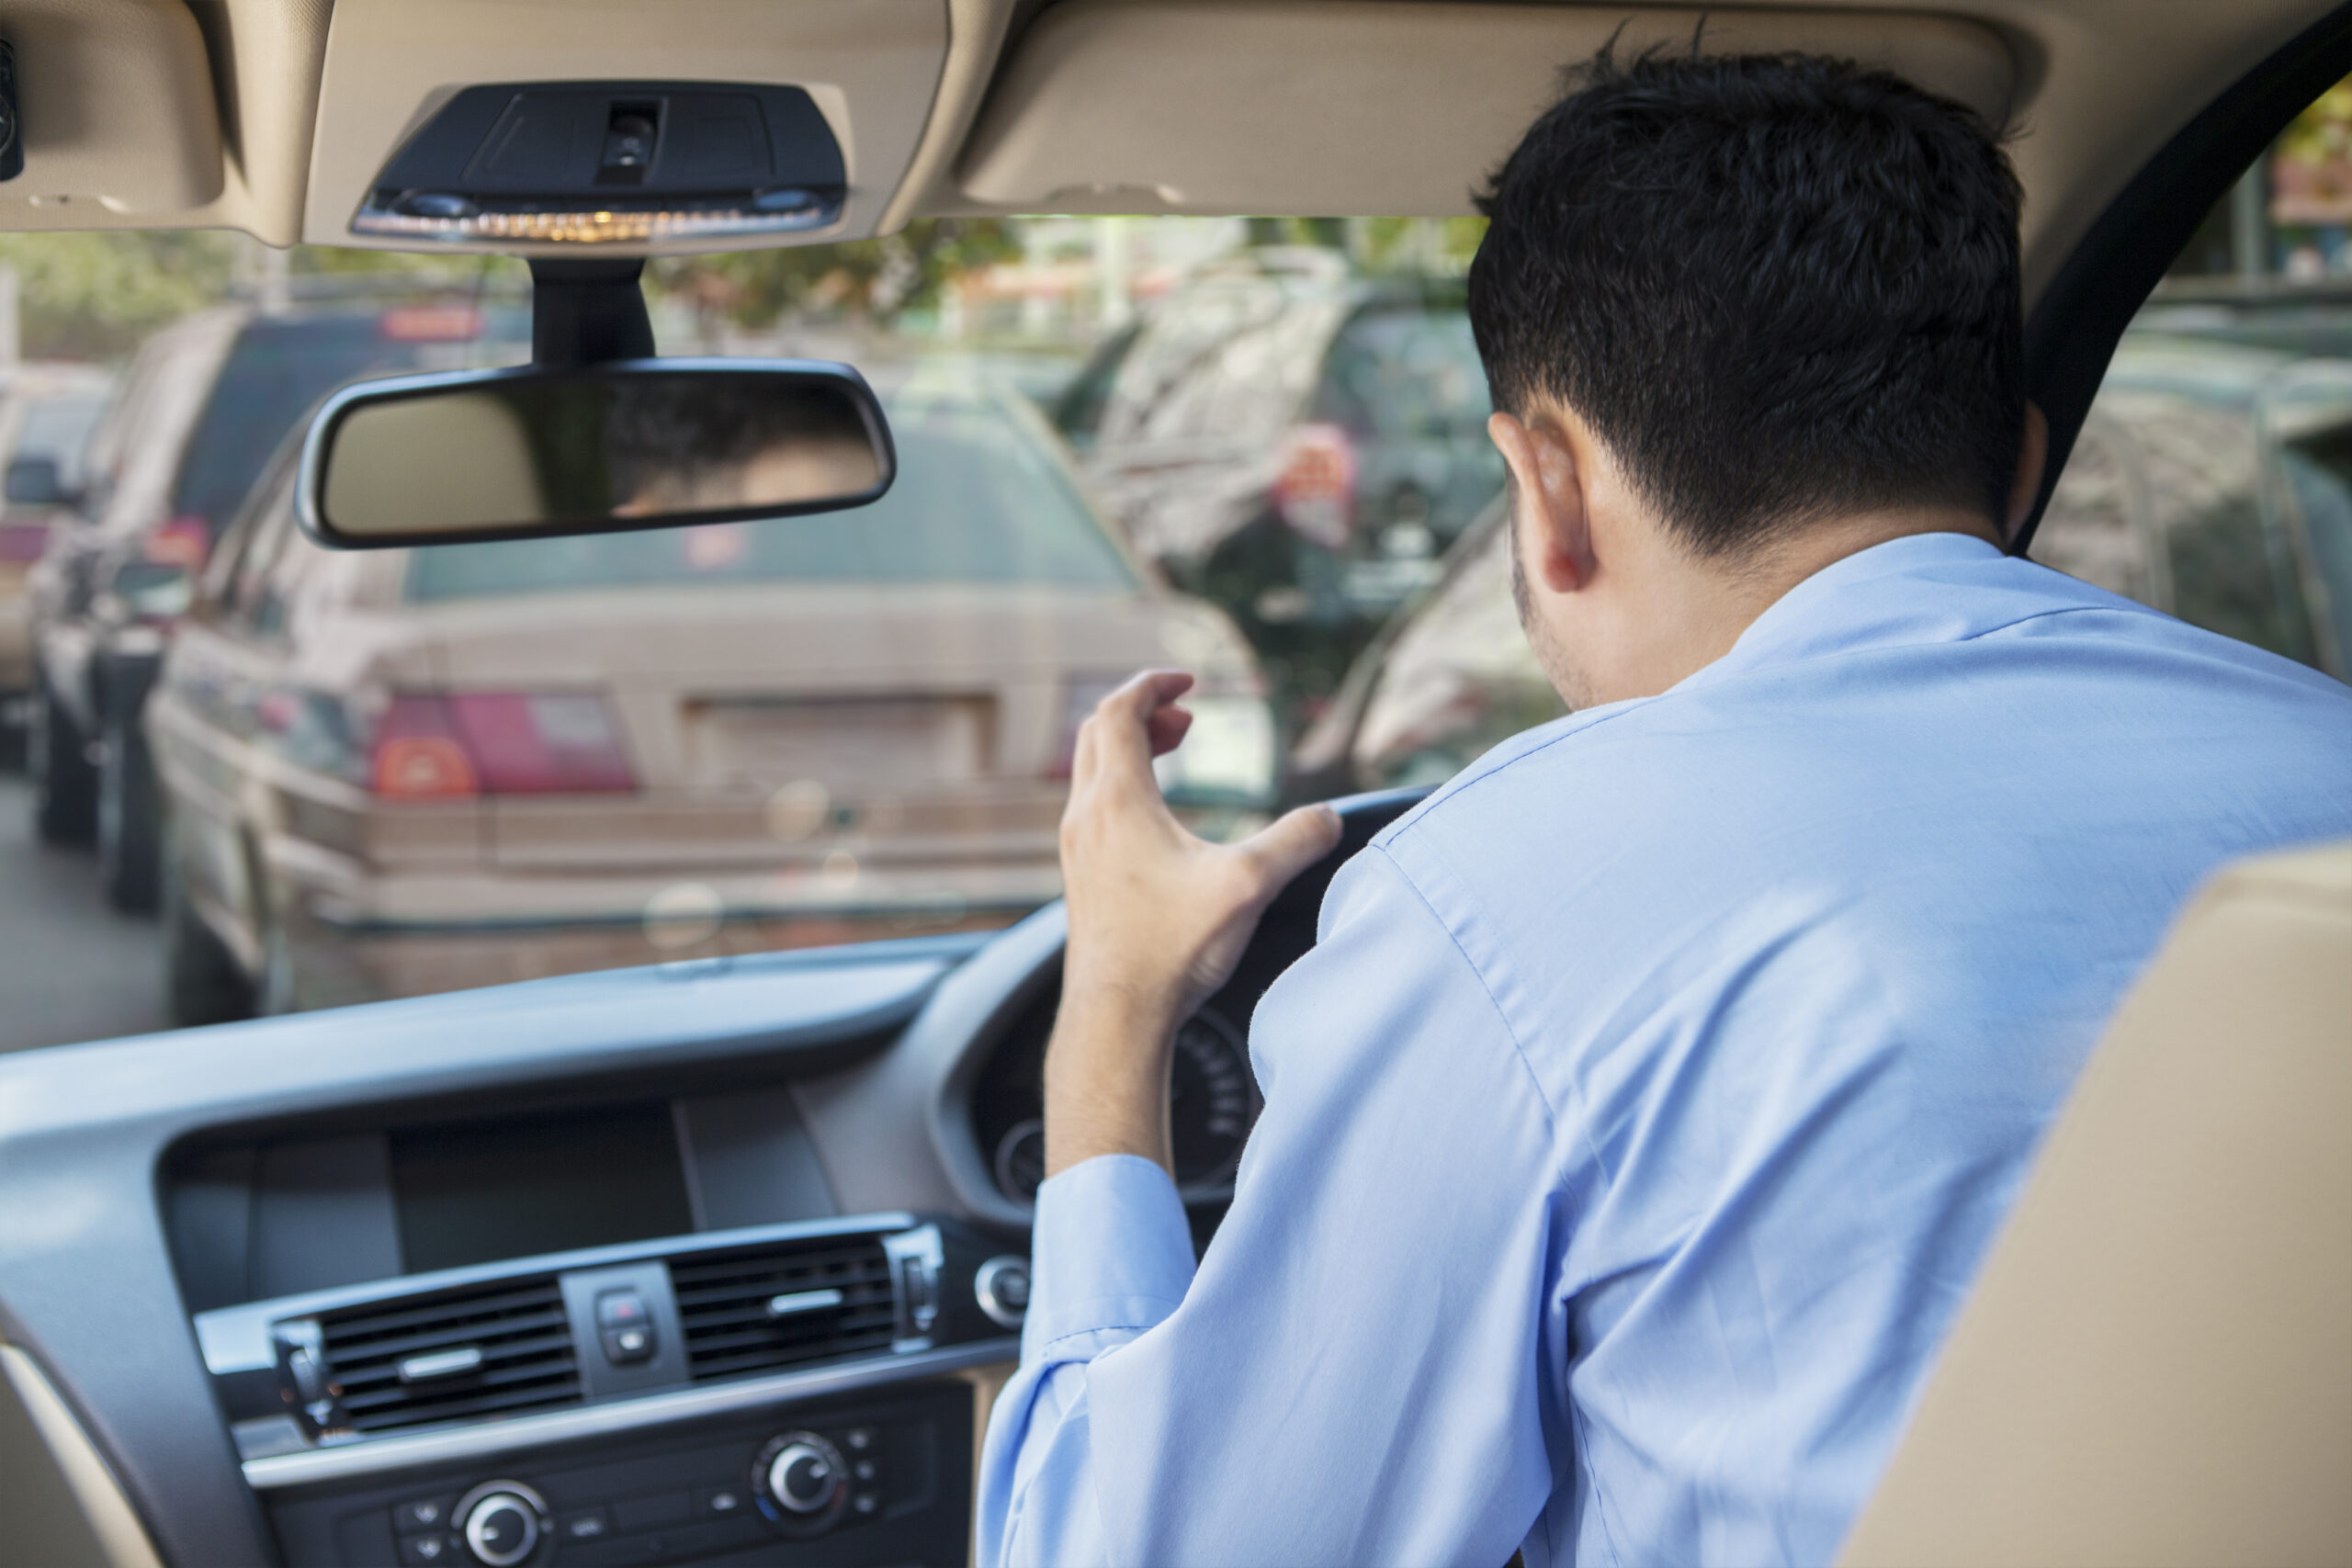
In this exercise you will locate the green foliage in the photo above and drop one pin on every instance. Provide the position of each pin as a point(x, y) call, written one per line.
point(1329, 233)
point(881, 279)
point(1426, 245)
point(94, 296)
point(1419, 244)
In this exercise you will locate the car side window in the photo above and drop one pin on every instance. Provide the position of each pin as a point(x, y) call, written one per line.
point(1459, 679)
point(2099, 525)
point(2170, 498)
point(2319, 474)
point(249, 601)
point(2229, 565)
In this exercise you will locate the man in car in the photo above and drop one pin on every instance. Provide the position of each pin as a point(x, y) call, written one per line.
point(1638, 1122)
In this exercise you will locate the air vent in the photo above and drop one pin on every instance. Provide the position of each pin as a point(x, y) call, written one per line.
point(761, 1308)
point(493, 1351)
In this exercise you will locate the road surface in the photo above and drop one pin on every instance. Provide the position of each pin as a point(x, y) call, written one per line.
point(70, 968)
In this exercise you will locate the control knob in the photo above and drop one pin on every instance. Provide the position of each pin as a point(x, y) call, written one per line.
point(801, 1479)
point(502, 1523)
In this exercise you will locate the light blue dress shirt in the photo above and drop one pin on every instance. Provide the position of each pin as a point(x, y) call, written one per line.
point(1646, 1107)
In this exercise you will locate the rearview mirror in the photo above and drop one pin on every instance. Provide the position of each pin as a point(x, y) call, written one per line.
point(542, 453)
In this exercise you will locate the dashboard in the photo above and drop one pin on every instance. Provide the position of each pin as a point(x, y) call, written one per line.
point(715, 1262)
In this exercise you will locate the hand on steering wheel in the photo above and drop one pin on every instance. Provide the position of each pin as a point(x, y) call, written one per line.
point(1158, 916)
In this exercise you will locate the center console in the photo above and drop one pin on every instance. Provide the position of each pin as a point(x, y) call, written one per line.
point(875, 1480)
point(406, 1382)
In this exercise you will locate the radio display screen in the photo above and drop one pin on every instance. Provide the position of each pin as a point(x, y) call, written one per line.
point(482, 1192)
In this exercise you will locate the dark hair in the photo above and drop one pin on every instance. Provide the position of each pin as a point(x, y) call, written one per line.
point(1780, 287)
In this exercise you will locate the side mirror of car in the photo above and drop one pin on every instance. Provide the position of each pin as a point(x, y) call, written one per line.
point(37, 481)
point(551, 451)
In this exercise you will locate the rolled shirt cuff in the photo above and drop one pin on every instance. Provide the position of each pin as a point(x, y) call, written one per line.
point(1111, 1257)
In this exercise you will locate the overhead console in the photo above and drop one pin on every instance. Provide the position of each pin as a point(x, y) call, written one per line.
point(493, 120)
point(601, 162)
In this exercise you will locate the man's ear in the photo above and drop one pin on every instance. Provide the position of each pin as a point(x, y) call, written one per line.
point(1554, 522)
point(2032, 454)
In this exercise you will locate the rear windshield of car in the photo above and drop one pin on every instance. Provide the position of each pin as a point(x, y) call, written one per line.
point(278, 368)
point(978, 500)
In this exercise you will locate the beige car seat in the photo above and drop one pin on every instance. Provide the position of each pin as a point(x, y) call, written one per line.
point(2157, 1365)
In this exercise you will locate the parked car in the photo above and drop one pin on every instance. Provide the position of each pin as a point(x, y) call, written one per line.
point(410, 770)
point(2211, 480)
point(203, 405)
point(47, 412)
point(1296, 442)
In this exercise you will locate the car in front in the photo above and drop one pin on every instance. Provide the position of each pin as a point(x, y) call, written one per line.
point(452, 765)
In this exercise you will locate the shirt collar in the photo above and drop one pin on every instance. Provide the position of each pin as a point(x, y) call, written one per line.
point(1899, 592)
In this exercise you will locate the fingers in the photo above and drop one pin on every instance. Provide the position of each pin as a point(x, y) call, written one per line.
point(1129, 727)
point(1293, 842)
point(1167, 729)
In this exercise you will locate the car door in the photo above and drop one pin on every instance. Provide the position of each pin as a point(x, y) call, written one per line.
point(205, 712)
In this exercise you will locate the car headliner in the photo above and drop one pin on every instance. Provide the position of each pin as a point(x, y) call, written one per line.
point(1348, 107)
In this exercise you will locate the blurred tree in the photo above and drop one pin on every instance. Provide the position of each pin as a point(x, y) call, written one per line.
point(1418, 244)
point(95, 295)
point(880, 279)
point(1329, 233)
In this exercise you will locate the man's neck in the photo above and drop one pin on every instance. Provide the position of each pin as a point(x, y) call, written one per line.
point(1681, 613)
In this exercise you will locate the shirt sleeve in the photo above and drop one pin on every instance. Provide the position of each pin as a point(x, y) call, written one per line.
point(1359, 1373)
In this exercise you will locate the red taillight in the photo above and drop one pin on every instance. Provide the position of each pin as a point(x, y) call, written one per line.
point(417, 755)
point(183, 542)
point(547, 744)
point(1316, 491)
point(498, 743)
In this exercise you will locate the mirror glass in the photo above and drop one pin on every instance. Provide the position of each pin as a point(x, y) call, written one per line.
point(542, 453)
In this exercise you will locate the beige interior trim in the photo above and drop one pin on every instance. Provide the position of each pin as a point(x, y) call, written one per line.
point(986, 1383)
point(1350, 106)
point(935, 96)
point(117, 109)
point(2156, 1366)
point(2100, 85)
point(872, 66)
point(266, 55)
point(105, 1509)
point(976, 33)
point(220, 91)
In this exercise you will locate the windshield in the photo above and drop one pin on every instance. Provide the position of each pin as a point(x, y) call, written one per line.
point(1254, 448)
